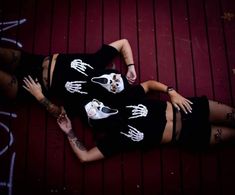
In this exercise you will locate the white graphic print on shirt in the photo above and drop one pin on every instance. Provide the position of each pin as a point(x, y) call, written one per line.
point(97, 110)
point(134, 134)
point(80, 66)
point(112, 82)
point(138, 111)
point(75, 86)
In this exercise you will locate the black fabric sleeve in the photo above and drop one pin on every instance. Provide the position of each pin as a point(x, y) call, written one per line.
point(110, 144)
point(134, 93)
point(105, 55)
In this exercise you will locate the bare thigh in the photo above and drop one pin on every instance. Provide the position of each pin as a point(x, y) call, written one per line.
point(221, 114)
point(9, 59)
point(221, 134)
point(8, 85)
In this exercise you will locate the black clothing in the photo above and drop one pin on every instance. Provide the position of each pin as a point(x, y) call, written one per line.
point(72, 78)
point(139, 123)
point(196, 128)
point(29, 64)
point(124, 131)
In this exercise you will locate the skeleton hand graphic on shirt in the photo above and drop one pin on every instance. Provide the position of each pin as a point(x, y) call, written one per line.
point(75, 86)
point(80, 66)
point(138, 111)
point(134, 134)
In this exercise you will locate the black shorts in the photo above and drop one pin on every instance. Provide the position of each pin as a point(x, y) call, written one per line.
point(196, 128)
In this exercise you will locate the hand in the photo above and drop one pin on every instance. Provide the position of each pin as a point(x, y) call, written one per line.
point(131, 74)
point(179, 102)
point(33, 87)
point(64, 123)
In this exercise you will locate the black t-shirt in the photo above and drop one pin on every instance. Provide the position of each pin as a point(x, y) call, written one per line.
point(140, 122)
point(72, 75)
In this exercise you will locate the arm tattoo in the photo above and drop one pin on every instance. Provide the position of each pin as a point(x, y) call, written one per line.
point(51, 108)
point(73, 139)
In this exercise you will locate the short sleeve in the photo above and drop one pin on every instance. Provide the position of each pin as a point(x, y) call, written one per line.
point(105, 55)
point(133, 93)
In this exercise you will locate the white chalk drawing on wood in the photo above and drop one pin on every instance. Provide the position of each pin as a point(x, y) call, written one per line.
point(4, 26)
point(9, 183)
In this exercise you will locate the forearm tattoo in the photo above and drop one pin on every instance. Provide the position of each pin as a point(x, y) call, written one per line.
point(74, 140)
point(51, 108)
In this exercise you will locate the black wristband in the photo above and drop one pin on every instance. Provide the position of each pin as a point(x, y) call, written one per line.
point(130, 65)
point(168, 89)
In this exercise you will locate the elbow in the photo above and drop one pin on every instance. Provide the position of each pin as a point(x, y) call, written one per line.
point(83, 159)
point(125, 42)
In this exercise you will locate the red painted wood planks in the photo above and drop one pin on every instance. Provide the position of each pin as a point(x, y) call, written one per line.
point(132, 161)
point(112, 171)
point(93, 40)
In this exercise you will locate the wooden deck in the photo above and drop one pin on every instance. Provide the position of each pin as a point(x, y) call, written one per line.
point(188, 44)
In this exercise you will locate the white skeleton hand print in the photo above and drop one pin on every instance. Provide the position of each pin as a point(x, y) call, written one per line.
point(75, 87)
point(134, 134)
point(138, 111)
point(80, 66)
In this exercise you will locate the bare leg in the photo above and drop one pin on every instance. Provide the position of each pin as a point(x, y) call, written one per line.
point(8, 85)
point(9, 59)
point(222, 114)
point(221, 134)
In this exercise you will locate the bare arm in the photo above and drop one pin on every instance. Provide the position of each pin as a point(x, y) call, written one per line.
point(81, 152)
point(35, 89)
point(177, 100)
point(124, 48)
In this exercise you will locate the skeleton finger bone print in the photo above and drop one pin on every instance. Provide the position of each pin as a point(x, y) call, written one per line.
point(80, 66)
point(138, 111)
point(75, 87)
point(134, 134)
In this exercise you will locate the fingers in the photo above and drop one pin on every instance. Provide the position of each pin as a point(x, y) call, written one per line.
point(185, 106)
point(176, 106)
point(29, 83)
point(130, 79)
